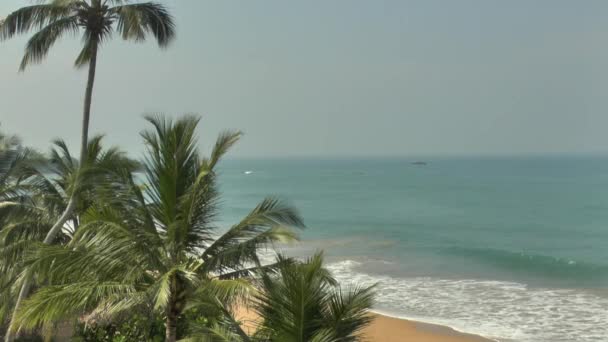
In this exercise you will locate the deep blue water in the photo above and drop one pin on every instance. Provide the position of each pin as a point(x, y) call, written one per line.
point(497, 246)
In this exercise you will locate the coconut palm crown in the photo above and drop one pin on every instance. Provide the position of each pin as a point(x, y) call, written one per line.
point(97, 19)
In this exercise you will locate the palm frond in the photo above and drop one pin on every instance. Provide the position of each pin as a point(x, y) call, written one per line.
point(171, 164)
point(30, 17)
point(164, 290)
point(256, 271)
point(54, 303)
point(66, 3)
point(107, 251)
point(18, 235)
point(223, 143)
point(113, 306)
point(199, 207)
point(39, 44)
point(137, 20)
point(348, 312)
point(60, 154)
point(227, 329)
point(227, 292)
point(271, 221)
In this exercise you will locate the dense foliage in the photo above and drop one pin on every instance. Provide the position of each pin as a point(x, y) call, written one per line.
point(142, 260)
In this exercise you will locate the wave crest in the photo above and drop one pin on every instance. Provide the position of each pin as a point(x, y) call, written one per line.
point(537, 264)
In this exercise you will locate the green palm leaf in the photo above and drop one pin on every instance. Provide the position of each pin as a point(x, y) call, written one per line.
point(134, 21)
point(39, 45)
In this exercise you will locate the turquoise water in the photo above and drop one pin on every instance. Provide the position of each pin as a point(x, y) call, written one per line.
point(510, 248)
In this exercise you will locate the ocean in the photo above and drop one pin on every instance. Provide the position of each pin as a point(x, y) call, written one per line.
point(514, 249)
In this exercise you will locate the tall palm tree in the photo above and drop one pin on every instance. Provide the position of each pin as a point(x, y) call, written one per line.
point(98, 20)
point(45, 186)
point(160, 246)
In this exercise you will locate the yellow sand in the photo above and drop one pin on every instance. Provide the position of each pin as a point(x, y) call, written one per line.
point(388, 329)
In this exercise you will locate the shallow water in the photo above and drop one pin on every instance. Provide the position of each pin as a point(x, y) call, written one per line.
point(510, 248)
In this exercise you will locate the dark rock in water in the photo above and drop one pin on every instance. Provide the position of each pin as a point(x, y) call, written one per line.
point(419, 163)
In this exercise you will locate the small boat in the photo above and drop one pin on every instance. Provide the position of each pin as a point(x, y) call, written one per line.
point(248, 172)
point(419, 163)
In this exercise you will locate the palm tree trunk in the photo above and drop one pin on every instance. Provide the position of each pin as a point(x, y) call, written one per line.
point(69, 209)
point(171, 321)
point(25, 288)
point(171, 327)
point(88, 97)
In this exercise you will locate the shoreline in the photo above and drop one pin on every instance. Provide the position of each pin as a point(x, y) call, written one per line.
point(427, 325)
point(386, 328)
point(393, 329)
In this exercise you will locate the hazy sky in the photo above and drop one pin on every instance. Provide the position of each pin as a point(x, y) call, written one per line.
point(347, 78)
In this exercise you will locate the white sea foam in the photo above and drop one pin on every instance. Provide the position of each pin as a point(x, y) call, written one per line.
point(505, 311)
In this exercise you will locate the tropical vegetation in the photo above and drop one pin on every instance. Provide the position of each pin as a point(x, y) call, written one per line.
point(39, 188)
point(97, 20)
point(142, 247)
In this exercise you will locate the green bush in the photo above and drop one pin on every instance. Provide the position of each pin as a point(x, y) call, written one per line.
point(139, 327)
point(136, 327)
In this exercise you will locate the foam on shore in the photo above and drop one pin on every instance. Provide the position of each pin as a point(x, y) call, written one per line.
point(504, 311)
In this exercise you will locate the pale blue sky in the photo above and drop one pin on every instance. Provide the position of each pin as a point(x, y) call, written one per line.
point(340, 78)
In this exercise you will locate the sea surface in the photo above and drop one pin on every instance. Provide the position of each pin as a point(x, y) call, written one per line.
point(514, 249)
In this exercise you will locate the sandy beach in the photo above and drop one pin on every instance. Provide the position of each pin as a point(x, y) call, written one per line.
point(390, 329)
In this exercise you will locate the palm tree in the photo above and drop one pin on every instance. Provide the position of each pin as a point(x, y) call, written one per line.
point(44, 188)
point(98, 20)
point(304, 303)
point(299, 302)
point(160, 247)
